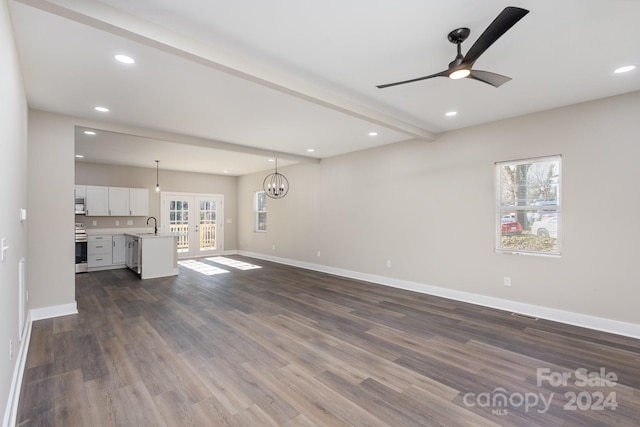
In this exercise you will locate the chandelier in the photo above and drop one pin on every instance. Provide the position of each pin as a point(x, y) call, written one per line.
point(276, 185)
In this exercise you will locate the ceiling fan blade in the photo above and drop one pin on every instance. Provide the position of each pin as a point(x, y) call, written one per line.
point(503, 22)
point(488, 77)
point(441, 73)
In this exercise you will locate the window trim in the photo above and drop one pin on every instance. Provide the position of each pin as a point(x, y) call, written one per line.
point(500, 209)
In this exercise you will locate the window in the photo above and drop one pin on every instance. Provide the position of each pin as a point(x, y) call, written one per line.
point(528, 214)
point(260, 209)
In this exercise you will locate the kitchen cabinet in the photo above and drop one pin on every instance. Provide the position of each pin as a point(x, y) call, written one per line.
point(97, 201)
point(138, 202)
point(118, 249)
point(116, 201)
point(152, 255)
point(99, 251)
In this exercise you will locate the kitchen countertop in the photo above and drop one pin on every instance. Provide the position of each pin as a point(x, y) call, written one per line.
point(132, 231)
point(143, 232)
point(152, 235)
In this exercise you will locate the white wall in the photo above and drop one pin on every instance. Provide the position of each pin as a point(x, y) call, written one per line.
point(429, 208)
point(13, 196)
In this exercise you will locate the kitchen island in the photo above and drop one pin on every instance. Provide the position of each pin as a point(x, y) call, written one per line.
point(152, 255)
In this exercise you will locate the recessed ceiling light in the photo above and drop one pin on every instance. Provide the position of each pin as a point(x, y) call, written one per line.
point(272, 160)
point(89, 132)
point(101, 109)
point(310, 150)
point(79, 156)
point(451, 113)
point(625, 69)
point(373, 133)
point(225, 171)
point(124, 59)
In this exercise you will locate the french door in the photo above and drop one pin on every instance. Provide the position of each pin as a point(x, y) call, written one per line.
point(198, 219)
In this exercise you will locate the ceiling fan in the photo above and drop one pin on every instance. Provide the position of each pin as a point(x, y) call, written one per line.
point(461, 66)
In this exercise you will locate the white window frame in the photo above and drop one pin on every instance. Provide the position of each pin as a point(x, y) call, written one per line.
point(531, 207)
point(257, 212)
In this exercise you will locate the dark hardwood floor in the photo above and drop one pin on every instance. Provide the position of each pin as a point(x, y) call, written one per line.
point(282, 346)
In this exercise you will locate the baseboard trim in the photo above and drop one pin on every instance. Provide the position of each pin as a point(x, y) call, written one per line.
point(631, 330)
point(11, 411)
point(53, 311)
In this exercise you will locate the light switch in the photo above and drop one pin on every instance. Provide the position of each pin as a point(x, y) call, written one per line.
point(23, 214)
point(3, 248)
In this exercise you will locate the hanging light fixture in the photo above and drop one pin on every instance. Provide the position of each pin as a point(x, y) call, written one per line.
point(157, 182)
point(276, 185)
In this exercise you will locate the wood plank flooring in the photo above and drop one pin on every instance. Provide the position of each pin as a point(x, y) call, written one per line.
point(282, 346)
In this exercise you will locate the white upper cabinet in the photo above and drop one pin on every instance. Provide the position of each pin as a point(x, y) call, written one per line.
point(97, 201)
point(138, 202)
point(118, 201)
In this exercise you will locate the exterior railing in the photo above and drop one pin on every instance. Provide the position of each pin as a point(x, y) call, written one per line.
point(207, 236)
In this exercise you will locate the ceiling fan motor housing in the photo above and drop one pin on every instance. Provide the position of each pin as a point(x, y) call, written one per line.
point(459, 35)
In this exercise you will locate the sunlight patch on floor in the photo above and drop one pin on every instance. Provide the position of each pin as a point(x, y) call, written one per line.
point(201, 267)
point(240, 265)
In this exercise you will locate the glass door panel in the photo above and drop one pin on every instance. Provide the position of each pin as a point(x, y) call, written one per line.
point(207, 226)
point(197, 218)
point(179, 222)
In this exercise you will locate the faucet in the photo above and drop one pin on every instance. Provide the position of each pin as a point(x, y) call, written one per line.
point(155, 224)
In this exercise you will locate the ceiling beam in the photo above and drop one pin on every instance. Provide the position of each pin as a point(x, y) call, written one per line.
point(114, 21)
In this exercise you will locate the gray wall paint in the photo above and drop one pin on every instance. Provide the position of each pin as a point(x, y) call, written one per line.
point(429, 207)
point(51, 224)
point(172, 181)
point(13, 193)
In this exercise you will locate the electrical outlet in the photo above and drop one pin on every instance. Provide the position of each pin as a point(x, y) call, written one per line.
point(129, 222)
point(388, 263)
point(507, 281)
point(318, 253)
point(94, 223)
point(117, 222)
point(274, 247)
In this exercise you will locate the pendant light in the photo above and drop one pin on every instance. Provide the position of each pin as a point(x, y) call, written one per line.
point(157, 182)
point(276, 185)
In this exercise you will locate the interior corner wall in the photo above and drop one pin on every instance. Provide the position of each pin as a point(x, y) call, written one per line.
point(13, 194)
point(51, 265)
point(429, 209)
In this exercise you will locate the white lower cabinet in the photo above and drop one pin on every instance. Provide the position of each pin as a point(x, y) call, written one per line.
point(118, 254)
point(99, 251)
point(105, 251)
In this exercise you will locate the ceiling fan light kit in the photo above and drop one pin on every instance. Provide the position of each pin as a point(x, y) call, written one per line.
point(460, 74)
point(462, 66)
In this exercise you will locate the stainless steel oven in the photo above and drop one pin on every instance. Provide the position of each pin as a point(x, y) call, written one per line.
point(81, 248)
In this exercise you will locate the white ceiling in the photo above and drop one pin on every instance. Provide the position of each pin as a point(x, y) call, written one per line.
point(224, 85)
